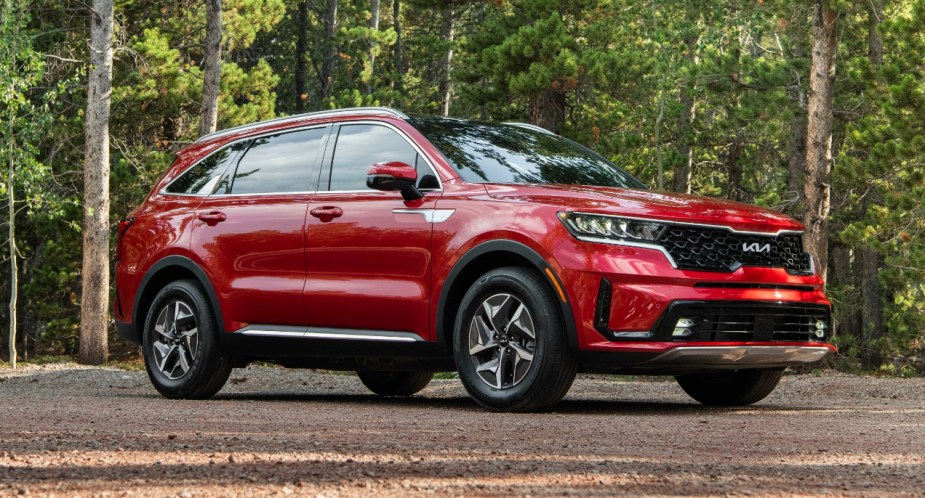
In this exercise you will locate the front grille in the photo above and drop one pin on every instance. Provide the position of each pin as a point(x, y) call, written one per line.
point(717, 322)
point(716, 249)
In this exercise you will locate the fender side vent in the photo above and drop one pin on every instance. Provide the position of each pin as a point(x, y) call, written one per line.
point(602, 310)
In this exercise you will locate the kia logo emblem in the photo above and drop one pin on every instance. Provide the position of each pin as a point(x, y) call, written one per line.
point(756, 247)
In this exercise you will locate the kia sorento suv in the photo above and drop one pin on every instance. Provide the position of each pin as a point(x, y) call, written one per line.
point(363, 239)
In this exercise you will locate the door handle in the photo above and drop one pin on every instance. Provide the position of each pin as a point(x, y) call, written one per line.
point(327, 213)
point(212, 218)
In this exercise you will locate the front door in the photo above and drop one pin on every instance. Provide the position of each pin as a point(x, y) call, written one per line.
point(368, 252)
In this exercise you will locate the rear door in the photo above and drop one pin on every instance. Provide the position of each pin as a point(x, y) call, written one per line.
point(369, 262)
point(251, 231)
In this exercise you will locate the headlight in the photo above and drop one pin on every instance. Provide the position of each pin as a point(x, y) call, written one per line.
point(598, 226)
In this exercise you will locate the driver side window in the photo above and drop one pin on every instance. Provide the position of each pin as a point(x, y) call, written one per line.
point(359, 147)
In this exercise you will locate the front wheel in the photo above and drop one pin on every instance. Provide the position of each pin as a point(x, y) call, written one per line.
point(730, 387)
point(395, 383)
point(180, 344)
point(510, 342)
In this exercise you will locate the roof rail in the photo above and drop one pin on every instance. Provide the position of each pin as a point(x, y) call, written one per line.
point(529, 127)
point(299, 117)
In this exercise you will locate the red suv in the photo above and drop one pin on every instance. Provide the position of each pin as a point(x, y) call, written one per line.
point(363, 239)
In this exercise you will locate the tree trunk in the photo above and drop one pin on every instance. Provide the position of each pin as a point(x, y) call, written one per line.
point(14, 270)
point(548, 110)
point(374, 27)
point(796, 161)
point(329, 55)
point(842, 268)
point(682, 177)
point(874, 43)
point(816, 187)
point(734, 170)
point(873, 321)
point(301, 65)
point(399, 56)
point(212, 72)
point(447, 35)
point(94, 302)
point(659, 155)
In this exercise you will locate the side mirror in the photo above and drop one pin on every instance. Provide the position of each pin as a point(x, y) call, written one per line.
point(394, 175)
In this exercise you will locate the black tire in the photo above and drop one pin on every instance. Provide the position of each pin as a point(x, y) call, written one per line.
point(552, 367)
point(730, 387)
point(395, 383)
point(208, 366)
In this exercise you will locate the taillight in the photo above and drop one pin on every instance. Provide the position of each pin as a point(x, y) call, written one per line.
point(124, 225)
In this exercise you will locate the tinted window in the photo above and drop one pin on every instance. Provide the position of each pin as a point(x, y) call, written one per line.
point(487, 153)
point(203, 178)
point(361, 146)
point(279, 163)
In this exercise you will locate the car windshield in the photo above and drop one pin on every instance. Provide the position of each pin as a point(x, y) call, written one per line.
point(505, 153)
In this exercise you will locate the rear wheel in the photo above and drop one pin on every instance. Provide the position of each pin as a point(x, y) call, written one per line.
point(395, 383)
point(730, 387)
point(180, 345)
point(510, 342)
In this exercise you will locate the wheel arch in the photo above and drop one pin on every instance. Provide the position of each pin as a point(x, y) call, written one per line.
point(161, 273)
point(483, 258)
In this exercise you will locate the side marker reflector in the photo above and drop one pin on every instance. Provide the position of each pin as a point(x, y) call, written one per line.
point(555, 284)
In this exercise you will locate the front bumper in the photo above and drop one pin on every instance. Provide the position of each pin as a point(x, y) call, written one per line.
point(629, 302)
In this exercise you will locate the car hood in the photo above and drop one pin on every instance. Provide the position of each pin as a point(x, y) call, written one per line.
point(649, 204)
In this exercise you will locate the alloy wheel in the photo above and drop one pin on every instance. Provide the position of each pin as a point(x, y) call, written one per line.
point(177, 343)
point(502, 340)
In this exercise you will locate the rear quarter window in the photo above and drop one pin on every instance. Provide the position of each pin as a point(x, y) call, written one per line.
point(204, 177)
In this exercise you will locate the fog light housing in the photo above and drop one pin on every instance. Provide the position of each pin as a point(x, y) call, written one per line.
point(820, 328)
point(683, 327)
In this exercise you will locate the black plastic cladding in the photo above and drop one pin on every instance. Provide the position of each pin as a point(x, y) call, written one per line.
point(743, 321)
point(715, 249)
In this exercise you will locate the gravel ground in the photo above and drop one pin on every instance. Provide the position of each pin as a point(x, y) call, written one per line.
point(73, 431)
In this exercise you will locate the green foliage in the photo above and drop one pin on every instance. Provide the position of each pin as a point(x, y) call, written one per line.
point(882, 175)
point(26, 112)
point(621, 70)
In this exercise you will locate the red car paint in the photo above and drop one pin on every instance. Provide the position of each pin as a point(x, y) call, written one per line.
point(348, 260)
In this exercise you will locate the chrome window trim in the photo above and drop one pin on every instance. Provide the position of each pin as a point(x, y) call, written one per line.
point(368, 191)
point(308, 115)
point(394, 128)
point(302, 192)
point(172, 194)
point(231, 143)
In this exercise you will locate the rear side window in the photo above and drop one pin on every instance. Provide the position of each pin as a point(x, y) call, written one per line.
point(279, 163)
point(203, 178)
point(361, 146)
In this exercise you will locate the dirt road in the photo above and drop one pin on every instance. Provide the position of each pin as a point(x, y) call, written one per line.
point(69, 431)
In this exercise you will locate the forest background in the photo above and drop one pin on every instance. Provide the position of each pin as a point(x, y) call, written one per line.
point(718, 98)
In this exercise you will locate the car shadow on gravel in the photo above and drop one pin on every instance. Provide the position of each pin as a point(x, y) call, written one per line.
point(567, 406)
